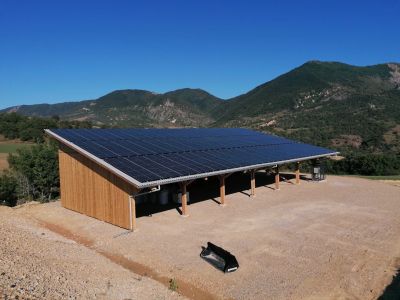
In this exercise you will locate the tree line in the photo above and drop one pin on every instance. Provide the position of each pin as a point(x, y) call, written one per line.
point(33, 171)
point(15, 126)
point(365, 164)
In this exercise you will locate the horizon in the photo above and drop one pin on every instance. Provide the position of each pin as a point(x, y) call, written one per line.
point(49, 59)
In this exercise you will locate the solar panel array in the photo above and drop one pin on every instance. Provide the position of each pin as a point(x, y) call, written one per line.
point(150, 155)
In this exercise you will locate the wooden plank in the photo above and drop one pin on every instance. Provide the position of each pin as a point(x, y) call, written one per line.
point(92, 190)
point(222, 189)
point(297, 173)
point(184, 199)
point(133, 213)
point(277, 178)
point(253, 183)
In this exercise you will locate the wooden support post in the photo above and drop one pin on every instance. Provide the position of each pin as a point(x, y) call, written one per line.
point(132, 208)
point(253, 183)
point(277, 178)
point(184, 199)
point(297, 173)
point(222, 189)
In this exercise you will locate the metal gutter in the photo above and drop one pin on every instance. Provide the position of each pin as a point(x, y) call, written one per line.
point(225, 171)
point(141, 185)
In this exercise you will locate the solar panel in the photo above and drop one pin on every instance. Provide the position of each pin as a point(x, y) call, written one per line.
point(158, 156)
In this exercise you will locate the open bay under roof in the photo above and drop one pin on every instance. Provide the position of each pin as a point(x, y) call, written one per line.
point(151, 157)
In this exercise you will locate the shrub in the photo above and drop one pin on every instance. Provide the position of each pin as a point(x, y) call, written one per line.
point(8, 189)
point(369, 164)
point(173, 285)
point(36, 170)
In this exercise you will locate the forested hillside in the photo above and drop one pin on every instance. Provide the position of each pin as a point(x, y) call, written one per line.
point(332, 104)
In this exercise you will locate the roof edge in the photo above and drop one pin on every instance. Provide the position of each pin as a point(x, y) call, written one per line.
point(94, 158)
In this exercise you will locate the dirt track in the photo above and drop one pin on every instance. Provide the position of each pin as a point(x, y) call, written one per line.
point(338, 239)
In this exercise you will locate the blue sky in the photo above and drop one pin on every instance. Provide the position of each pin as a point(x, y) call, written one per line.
point(53, 51)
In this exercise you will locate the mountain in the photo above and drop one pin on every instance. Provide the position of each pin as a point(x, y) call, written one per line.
point(337, 105)
point(184, 107)
point(327, 103)
point(313, 83)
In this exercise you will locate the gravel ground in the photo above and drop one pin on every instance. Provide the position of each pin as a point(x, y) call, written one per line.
point(338, 239)
point(36, 263)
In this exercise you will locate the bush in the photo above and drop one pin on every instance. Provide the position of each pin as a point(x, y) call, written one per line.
point(8, 189)
point(173, 285)
point(371, 164)
point(36, 170)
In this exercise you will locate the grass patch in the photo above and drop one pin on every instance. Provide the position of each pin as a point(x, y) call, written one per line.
point(173, 285)
point(12, 147)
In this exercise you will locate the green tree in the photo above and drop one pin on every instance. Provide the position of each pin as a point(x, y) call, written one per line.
point(36, 170)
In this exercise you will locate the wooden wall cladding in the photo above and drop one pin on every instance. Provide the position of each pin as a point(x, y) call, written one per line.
point(90, 189)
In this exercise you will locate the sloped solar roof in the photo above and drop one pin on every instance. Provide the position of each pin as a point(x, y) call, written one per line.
point(150, 157)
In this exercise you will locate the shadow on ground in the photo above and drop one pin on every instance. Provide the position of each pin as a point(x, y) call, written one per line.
point(202, 190)
point(392, 291)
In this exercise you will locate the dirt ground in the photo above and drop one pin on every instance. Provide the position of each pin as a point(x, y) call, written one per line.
point(337, 239)
point(36, 263)
point(392, 182)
